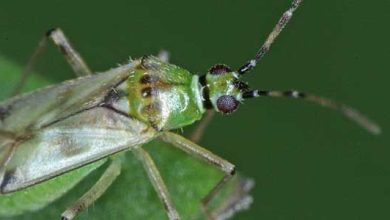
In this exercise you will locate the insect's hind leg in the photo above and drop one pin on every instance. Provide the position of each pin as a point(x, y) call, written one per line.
point(107, 178)
point(157, 182)
point(207, 156)
point(72, 56)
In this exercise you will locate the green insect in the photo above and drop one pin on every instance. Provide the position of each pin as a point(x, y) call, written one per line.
point(76, 126)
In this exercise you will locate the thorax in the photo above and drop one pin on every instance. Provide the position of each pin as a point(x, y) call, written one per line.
point(163, 95)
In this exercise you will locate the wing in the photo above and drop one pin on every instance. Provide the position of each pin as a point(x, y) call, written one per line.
point(41, 107)
point(26, 113)
point(70, 143)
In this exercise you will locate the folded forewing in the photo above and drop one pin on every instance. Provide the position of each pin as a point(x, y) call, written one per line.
point(70, 143)
point(43, 106)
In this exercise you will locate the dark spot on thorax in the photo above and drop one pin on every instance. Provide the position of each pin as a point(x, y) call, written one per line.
point(148, 92)
point(148, 79)
point(152, 108)
point(152, 111)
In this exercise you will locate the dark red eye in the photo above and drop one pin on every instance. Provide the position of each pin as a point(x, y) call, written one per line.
point(227, 104)
point(219, 69)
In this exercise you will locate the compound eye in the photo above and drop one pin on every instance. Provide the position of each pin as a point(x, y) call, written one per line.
point(219, 69)
point(227, 104)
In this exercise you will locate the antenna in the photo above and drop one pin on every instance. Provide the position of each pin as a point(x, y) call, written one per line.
point(271, 38)
point(347, 111)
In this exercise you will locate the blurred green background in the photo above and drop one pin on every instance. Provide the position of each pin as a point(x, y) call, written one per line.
point(308, 162)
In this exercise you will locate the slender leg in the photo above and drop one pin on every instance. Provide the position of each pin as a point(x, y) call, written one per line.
point(157, 182)
point(74, 59)
point(108, 177)
point(207, 156)
point(238, 200)
point(198, 151)
point(200, 128)
point(27, 70)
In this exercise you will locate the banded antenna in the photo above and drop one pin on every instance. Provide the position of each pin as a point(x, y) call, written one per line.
point(271, 38)
point(347, 111)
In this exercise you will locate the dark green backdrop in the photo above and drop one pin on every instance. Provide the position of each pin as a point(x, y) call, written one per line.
point(308, 162)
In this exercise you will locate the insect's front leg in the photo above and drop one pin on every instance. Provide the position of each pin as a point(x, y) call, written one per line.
point(74, 59)
point(207, 156)
point(107, 178)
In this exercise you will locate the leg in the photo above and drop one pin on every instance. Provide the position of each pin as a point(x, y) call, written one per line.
point(205, 155)
point(74, 59)
point(108, 177)
point(197, 133)
point(157, 182)
point(238, 200)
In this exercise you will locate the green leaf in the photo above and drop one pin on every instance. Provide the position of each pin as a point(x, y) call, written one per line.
point(132, 196)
